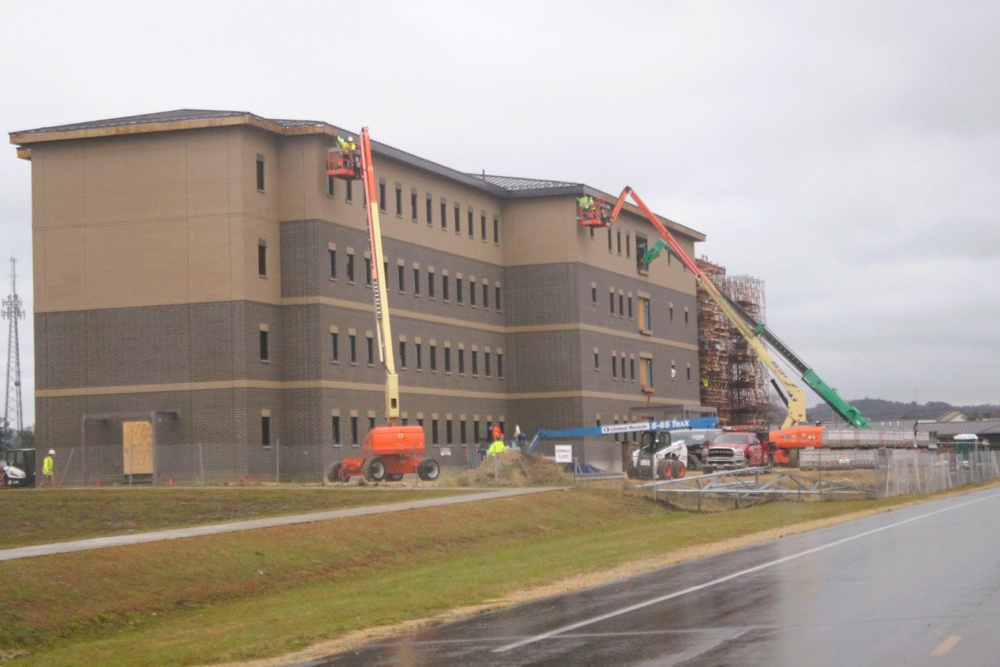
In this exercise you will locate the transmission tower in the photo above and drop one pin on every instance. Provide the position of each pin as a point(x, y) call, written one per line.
point(13, 311)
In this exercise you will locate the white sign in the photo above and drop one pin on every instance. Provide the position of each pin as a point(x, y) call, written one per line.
point(564, 453)
point(645, 426)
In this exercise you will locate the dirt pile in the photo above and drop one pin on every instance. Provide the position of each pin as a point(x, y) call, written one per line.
point(512, 468)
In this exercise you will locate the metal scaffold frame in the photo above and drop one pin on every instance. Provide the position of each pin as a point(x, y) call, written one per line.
point(733, 380)
point(13, 311)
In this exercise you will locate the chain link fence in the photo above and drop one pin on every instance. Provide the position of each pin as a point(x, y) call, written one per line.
point(226, 463)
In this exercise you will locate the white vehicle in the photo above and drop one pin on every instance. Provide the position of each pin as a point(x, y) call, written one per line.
point(658, 455)
point(11, 475)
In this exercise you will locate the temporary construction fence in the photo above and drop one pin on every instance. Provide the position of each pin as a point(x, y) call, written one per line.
point(224, 463)
point(832, 475)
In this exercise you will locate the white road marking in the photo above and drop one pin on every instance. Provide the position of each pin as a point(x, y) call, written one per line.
point(720, 580)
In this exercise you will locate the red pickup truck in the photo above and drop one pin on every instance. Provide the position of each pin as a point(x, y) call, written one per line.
point(730, 450)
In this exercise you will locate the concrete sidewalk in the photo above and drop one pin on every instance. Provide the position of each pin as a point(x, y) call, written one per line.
point(254, 524)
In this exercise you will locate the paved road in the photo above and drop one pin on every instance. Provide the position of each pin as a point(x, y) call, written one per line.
point(254, 524)
point(917, 586)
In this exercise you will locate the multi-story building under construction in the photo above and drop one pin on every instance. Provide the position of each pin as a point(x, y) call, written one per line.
point(733, 380)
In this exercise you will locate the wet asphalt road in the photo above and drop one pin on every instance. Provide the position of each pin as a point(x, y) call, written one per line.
point(917, 586)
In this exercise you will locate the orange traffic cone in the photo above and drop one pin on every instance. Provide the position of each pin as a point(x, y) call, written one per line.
point(170, 481)
point(98, 482)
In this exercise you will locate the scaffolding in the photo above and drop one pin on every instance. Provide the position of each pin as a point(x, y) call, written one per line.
point(733, 380)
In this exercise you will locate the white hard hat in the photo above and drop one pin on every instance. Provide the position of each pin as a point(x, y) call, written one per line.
point(52, 452)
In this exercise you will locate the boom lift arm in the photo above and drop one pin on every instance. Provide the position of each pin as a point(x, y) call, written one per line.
point(383, 326)
point(796, 397)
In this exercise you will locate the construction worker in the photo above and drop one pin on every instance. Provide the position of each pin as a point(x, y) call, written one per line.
point(497, 447)
point(49, 469)
point(586, 203)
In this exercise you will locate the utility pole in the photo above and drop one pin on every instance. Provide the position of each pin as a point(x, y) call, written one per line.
point(13, 311)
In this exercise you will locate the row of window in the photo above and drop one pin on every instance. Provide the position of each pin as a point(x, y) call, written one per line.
point(449, 435)
point(492, 360)
point(615, 237)
point(617, 303)
point(485, 294)
point(623, 367)
point(429, 207)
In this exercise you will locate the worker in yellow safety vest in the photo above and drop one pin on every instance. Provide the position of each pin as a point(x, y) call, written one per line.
point(586, 203)
point(497, 447)
point(48, 469)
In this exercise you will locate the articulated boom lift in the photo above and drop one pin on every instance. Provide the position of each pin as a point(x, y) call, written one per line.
point(393, 450)
point(755, 333)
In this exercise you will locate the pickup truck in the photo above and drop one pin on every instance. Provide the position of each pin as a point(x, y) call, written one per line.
point(730, 450)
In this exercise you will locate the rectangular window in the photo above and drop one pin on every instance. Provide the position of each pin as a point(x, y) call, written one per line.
point(475, 432)
point(641, 246)
point(621, 304)
point(597, 360)
point(444, 214)
point(475, 362)
point(419, 352)
point(472, 292)
point(371, 424)
point(628, 245)
point(368, 272)
point(670, 312)
point(434, 359)
point(612, 303)
point(430, 211)
point(471, 233)
point(354, 430)
point(335, 430)
point(609, 239)
point(350, 268)
point(333, 263)
point(499, 364)
point(486, 296)
point(687, 317)
point(334, 347)
point(349, 192)
point(402, 354)
point(330, 180)
point(458, 218)
point(496, 229)
point(461, 361)
point(399, 200)
point(593, 294)
point(619, 237)
point(262, 258)
point(416, 281)
point(371, 350)
point(496, 295)
point(645, 316)
point(265, 431)
point(458, 290)
point(260, 173)
point(614, 366)
point(486, 364)
point(631, 367)
point(463, 431)
point(434, 431)
point(448, 432)
point(447, 360)
point(482, 226)
point(646, 374)
point(430, 284)
point(413, 204)
point(630, 307)
point(381, 196)
point(353, 342)
point(444, 287)
point(265, 352)
point(688, 370)
point(401, 275)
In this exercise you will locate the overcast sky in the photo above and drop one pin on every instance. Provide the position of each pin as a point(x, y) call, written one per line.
point(845, 152)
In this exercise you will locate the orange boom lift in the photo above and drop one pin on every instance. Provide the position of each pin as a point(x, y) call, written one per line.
point(393, 450)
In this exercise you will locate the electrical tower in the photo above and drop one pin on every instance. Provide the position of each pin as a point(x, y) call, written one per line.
point(13, 311)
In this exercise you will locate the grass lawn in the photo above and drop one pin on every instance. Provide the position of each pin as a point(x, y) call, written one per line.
point(268, 592)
